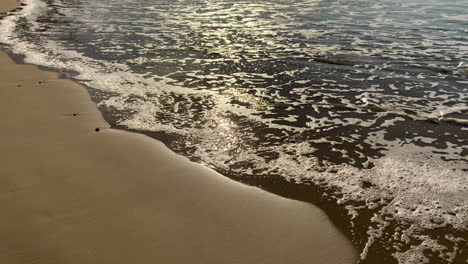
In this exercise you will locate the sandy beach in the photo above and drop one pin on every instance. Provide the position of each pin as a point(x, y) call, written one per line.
point(71, 194)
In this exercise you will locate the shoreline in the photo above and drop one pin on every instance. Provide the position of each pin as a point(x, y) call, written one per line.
point(71, 194)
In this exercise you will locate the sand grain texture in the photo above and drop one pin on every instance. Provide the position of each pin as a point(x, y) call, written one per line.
point(69, 194)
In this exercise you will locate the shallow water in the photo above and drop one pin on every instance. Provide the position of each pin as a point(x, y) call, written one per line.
point(366, 99)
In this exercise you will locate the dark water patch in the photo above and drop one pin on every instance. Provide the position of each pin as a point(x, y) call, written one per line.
point(335, 61)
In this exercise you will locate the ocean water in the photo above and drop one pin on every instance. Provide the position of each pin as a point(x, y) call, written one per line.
point(365, 102)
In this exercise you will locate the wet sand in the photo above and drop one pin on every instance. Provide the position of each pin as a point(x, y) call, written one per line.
point(71, 194)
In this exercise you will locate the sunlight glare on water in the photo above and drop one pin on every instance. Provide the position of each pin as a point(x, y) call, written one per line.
point(367, 99)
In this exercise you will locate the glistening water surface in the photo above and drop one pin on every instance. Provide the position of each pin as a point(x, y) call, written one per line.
point(365, 102)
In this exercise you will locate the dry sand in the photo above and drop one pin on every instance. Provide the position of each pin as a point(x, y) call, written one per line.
point(69, 194)
point(7, 5)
